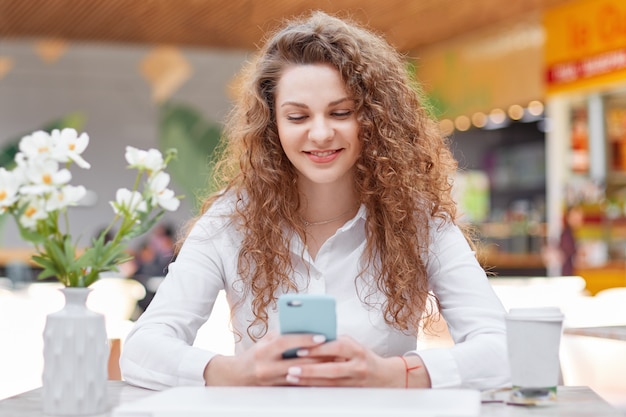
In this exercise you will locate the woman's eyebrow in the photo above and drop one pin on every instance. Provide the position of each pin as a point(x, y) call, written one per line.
point(341, 100)
point(293, 103)
point(332, 103)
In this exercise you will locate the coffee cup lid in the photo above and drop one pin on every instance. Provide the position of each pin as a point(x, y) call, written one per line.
point(535, 313)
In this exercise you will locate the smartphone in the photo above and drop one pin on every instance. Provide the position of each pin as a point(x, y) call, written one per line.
point(307, 313)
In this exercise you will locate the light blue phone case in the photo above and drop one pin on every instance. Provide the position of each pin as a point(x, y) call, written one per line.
point(307, 313)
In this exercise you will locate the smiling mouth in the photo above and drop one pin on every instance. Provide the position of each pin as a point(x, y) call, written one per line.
point(322, 154)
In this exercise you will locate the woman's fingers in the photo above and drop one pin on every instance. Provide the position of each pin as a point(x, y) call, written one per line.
point(337, 365)
point(345, 362)
point(346, 373)
point(297, 344)
point(342, 362)
point(343, 348)
point(267, 363)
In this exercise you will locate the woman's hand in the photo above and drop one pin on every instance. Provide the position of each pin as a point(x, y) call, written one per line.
point(262, 364)
point(345, 362)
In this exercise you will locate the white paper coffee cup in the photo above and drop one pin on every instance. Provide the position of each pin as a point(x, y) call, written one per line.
point(533, 341)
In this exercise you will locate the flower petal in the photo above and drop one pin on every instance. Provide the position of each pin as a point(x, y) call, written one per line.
point(168, 200)
point(150, 160)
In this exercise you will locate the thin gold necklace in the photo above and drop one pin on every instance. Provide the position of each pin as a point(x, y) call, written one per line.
point(308, 223)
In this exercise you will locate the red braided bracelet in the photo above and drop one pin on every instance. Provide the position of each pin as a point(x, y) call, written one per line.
point(406, 367)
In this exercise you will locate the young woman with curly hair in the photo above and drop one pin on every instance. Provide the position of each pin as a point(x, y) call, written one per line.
point(334, 179)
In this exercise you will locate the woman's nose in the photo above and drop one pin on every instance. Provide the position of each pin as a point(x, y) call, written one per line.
point(321, 130)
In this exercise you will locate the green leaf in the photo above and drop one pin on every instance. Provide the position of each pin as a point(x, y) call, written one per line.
point(112, 254)
point(44, 262)
point(56, 254)
point(69, 249)
point(145, 225)
point(47, 273)
point(90, 278)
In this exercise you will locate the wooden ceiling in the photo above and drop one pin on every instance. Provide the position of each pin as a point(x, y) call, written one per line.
point(408, 24)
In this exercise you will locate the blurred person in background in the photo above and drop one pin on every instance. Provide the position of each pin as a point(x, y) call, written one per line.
point(564, 254)
point(151, 261)
point(568, 247)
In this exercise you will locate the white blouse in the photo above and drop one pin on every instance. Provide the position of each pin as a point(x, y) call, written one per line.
point(158, 352)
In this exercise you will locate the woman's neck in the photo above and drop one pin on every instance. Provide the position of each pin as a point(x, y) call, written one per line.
point(326, 204)
point(323, 212)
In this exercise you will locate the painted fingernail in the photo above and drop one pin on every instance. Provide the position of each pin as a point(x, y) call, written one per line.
point(319, 338)
point(302, 352)
point(292, 379)
point(294, 371)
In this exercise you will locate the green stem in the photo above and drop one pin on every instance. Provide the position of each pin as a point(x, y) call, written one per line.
point(110, 226)
point(67, 221)
point(137, 180)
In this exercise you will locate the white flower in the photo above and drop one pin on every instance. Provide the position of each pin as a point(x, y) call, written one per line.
point(44, 177)
point(66, 196)
point(35, 210)
point(161, 195)
point(128, 202)
point(37, 145)
point(69, 146)
point(151, 160)
point(9, 187)
point(168, 200)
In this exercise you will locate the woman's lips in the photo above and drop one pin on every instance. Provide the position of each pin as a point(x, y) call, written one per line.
point(323, 156)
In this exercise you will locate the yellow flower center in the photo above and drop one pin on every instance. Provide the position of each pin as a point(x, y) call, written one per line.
point(3, 194)
point(43, 149)
point(30, 211)
point(47, 179)
point(72, 146)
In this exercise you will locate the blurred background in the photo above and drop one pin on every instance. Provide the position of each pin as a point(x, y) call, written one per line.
point(531, 93)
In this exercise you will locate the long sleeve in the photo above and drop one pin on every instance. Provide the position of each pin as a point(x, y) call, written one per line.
point(158, 352)
point(474, 314)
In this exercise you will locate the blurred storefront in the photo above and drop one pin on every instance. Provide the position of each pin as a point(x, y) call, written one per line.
point(487, 89)
point(585, 74)
point(536, 113)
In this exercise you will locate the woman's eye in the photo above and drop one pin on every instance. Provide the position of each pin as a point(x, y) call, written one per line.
point(295, 117)
point(343, 113)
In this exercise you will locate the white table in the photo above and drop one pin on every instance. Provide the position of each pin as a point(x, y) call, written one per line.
point(572, 402)
point(605, 332)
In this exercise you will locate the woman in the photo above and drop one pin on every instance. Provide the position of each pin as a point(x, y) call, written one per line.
point(335, 181)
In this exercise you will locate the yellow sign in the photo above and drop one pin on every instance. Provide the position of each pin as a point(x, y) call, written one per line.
point(585, 45)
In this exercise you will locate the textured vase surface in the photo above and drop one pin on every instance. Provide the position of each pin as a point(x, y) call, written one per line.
point(75, 358)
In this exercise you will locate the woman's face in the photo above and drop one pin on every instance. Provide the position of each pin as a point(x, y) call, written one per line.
point(317, 124)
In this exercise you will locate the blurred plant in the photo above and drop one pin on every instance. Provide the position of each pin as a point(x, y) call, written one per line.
point(196, 138)
point(37, 194)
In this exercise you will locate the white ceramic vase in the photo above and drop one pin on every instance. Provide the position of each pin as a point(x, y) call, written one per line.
point(75, 358)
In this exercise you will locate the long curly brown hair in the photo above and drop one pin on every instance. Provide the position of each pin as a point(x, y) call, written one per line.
point(402, 176)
